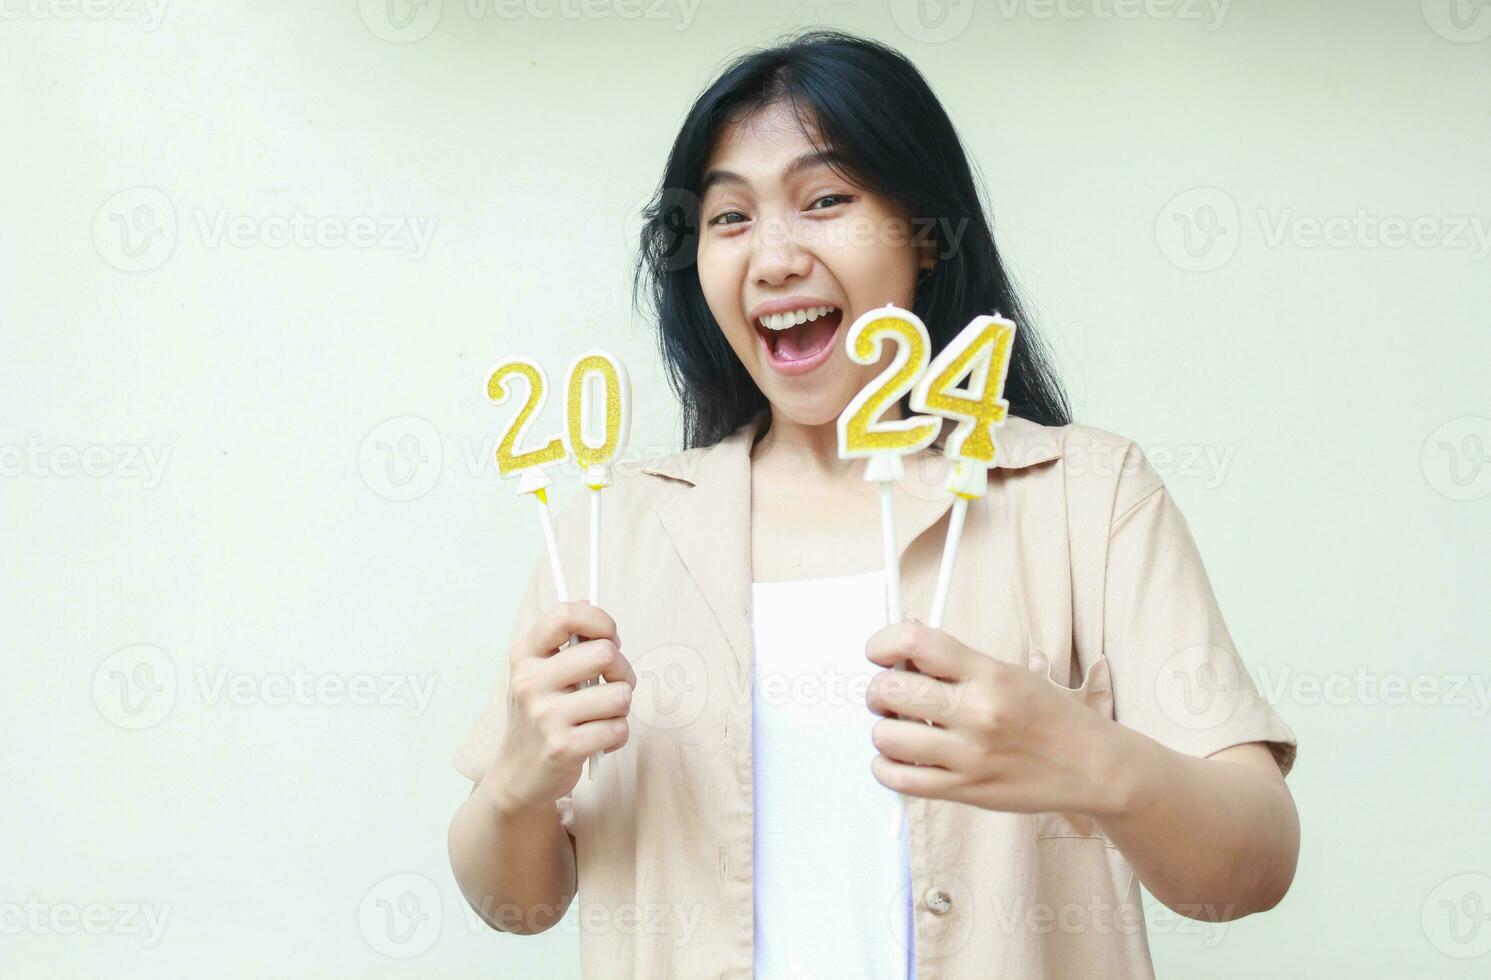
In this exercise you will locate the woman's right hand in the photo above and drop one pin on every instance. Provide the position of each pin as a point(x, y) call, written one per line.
point(553, 724)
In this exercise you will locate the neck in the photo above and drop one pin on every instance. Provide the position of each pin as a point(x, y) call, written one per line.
point(814, 448)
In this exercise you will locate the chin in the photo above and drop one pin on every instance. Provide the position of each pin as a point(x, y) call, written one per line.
point(811, 411)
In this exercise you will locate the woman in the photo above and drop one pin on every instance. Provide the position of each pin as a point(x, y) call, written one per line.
point(1091, 727)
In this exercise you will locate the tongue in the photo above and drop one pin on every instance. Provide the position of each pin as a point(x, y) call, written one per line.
point(806, 339)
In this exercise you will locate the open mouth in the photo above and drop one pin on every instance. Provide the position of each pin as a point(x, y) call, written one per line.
point(800, 340)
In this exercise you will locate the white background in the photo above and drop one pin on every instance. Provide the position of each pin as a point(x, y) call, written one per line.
point(1345, 530)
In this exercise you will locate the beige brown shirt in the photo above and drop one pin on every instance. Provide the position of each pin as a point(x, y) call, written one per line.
point(1077, 562)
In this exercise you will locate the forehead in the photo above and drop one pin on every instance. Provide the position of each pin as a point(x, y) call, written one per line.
point(759, 146)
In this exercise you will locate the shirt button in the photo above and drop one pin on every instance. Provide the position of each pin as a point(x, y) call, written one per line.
point(937, 901)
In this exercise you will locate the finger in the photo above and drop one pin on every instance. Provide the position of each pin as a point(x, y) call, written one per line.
point(594, 703)
point(908, 695)
point(929, 781)
point(583, 661)
point(914, 743)
point(930, 651)
point(605, 735)
point(563, 620)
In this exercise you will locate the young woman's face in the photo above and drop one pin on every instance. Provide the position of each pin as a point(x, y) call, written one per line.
point(782, 236)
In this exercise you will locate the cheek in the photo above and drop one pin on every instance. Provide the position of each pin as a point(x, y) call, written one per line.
point(720, 281)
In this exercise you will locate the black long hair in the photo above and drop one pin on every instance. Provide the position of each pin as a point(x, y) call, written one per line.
point(875, 112)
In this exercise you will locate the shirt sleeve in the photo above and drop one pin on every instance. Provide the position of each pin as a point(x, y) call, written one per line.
point(1176, 675)
point(476, 754)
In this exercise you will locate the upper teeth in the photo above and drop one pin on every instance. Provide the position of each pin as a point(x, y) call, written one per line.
point(781, 321)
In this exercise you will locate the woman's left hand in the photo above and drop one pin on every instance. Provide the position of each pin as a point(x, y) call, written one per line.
point(1002, 737)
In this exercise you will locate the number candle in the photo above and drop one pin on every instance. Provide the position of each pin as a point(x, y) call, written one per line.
point(595, 460)
point(862, 433)
point(980, 352)
point(528, 466)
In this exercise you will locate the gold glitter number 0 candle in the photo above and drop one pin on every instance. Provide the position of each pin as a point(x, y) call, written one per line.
point(615, 413)
point(595, 460)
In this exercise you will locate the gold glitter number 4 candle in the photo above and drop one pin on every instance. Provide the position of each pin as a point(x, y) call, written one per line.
point(981, 353)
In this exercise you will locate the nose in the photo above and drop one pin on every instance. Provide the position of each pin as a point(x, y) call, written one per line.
point(776, 253)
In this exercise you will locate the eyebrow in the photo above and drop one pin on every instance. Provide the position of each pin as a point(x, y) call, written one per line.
point(797, 166)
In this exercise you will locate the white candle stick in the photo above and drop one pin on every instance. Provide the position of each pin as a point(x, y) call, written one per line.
point(595, 459)
point(528, 466)
point(981, 353)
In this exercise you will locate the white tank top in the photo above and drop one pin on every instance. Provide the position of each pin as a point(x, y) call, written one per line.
point(832, 876)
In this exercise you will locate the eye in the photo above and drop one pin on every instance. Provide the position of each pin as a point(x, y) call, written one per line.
point(834, 198)
point(719, 219)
